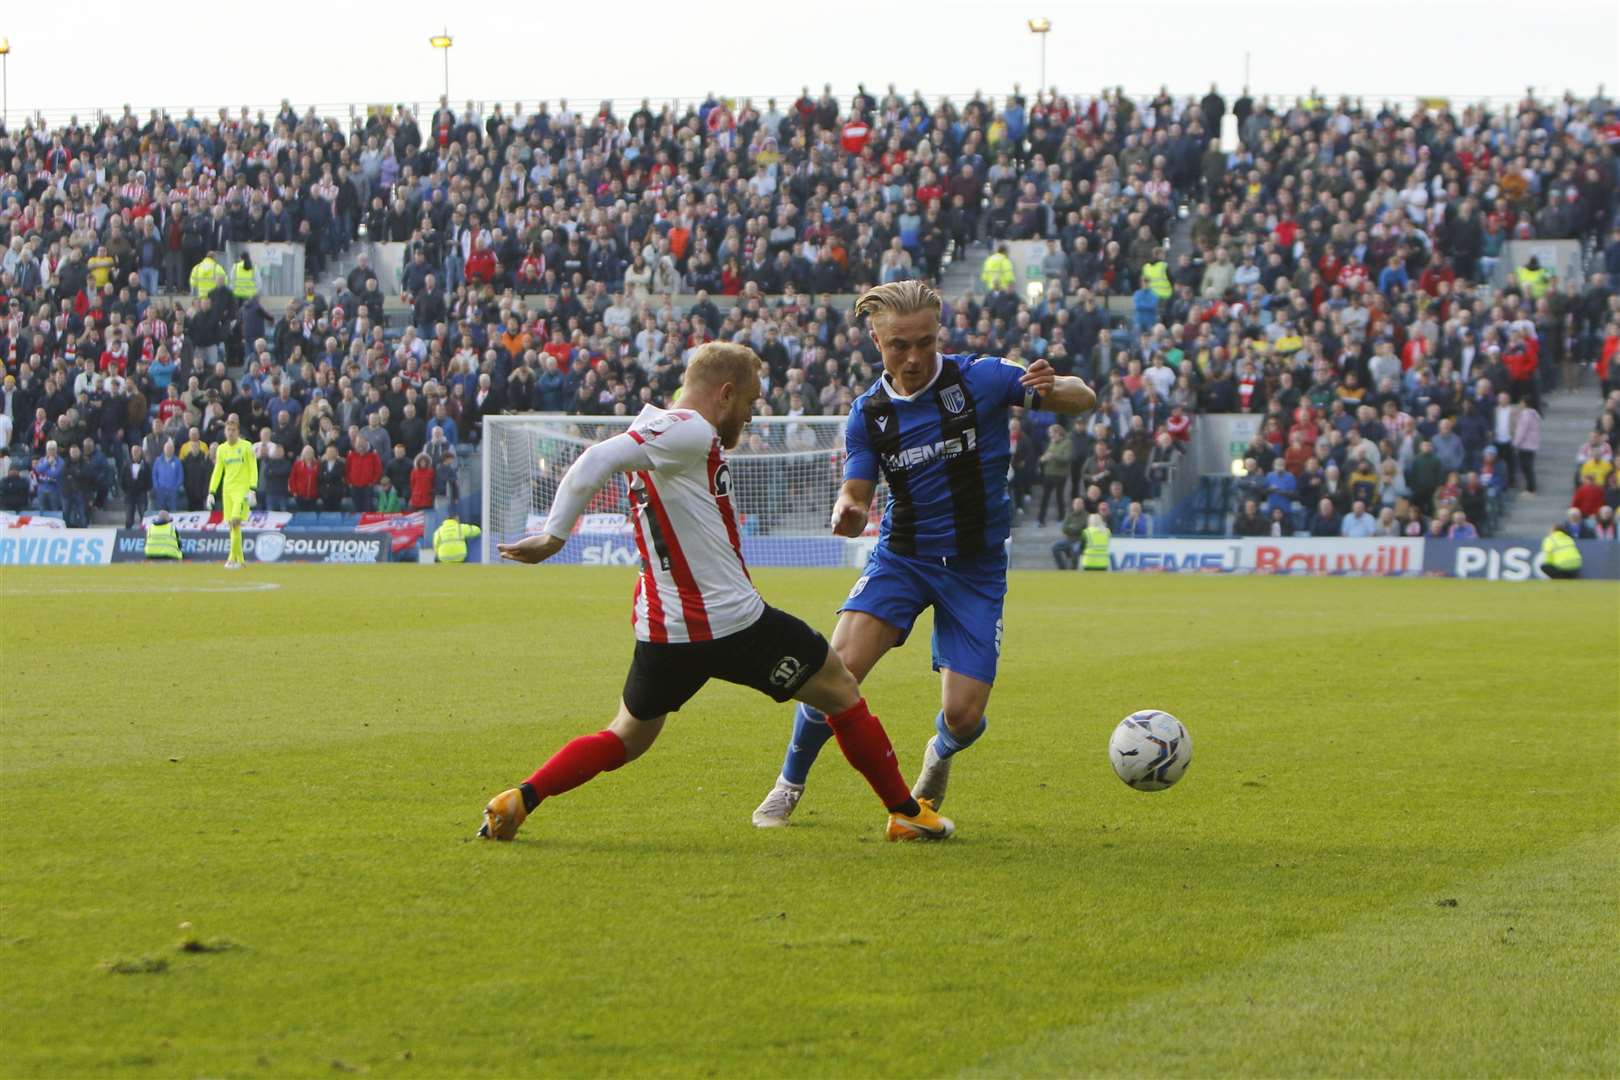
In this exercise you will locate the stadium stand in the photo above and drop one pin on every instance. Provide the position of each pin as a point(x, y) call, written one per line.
point(1338, 270)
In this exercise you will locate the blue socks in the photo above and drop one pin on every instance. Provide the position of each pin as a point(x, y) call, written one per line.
point(810, 733)
point(946, 744)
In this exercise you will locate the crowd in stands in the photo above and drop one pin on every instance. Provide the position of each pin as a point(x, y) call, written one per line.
point(1596, 501)
point(1333, 273)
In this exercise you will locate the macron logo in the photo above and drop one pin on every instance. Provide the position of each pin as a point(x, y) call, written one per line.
point(883, 423)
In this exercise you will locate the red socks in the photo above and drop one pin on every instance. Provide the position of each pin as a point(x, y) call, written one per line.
point(864, 742)
point(579, 761)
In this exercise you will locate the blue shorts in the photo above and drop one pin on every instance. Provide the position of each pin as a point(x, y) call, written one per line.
point(967, 594)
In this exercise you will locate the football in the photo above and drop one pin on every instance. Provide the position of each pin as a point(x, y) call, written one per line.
point(1150, 749)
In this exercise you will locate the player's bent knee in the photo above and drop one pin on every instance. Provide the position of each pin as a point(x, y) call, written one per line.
point(963, 721)
point(860, 640)
point(832, 689)
point(964, 704)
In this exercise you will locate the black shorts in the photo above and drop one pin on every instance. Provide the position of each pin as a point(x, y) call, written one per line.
point(776, 656)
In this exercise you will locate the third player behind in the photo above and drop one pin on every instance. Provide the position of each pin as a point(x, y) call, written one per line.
point(935, 426)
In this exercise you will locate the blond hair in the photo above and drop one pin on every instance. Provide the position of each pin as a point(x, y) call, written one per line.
point(716, 363)
point(898, 298)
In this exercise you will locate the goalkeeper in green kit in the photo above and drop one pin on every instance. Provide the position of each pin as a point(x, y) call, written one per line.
point(236, 475)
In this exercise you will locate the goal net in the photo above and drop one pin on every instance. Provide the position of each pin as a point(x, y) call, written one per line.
point(785, 476)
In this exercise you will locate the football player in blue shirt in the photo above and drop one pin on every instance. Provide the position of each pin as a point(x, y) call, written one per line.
point(935, 427)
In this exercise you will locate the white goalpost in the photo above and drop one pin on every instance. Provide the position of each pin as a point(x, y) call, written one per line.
point(785, 476)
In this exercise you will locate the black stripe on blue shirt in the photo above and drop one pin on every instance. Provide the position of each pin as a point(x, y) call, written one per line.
point(883, 432)
point(963, 473)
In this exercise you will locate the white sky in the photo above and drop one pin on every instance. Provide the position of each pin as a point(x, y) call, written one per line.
point(79, 54)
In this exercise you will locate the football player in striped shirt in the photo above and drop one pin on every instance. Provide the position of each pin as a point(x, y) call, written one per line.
point(697, 614)
point(935, 428)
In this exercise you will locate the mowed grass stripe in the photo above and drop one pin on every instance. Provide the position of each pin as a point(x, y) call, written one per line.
point(1404, 990)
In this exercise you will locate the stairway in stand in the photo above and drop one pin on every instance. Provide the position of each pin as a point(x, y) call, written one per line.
point(1566, 420)
point(962, 275)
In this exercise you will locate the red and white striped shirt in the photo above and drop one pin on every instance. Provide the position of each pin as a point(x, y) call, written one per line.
point(694, 584)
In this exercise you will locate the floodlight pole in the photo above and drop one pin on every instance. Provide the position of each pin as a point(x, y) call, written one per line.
point(5, 81)
point(442, 42)
point(1041, 27)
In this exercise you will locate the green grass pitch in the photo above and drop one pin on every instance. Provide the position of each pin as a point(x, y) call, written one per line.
point(1397, 851)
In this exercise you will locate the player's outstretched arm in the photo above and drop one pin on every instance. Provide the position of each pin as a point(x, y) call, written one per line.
point(852, 511)
point(1066, 394)
point(579, 486)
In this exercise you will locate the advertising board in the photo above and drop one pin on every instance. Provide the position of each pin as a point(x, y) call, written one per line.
point(35, 546)
point(1314, 556)
point(269, 546)
point(1513, 560)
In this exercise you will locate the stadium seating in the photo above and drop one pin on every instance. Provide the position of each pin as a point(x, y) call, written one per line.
point(1334, 255)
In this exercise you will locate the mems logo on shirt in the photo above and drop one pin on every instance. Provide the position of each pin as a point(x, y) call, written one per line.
point(944, 449)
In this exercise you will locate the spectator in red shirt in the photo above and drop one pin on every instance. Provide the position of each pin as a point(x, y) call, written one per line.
point(170, 407)
point(115, 357)
point(1353, 275)
point(1414, 352)
point(1521, 359)
point(1179, 424)
point(1329, 266)
point(481, 264)
point(1588, 499)
point(303, 483)
point(855, 135)
point(1436, 274)
point(531, 270)
point(422, 483)
point(1298, 453)
point(364, 467)
point(1304, 426)
point(1608, 372)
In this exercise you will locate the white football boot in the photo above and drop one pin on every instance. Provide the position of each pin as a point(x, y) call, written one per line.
point(778, 806)
point(936, 773)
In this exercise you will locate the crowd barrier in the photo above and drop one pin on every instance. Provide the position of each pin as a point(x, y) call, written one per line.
point(1493, 560)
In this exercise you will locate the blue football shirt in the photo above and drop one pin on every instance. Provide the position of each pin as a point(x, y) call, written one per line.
point(944, 452)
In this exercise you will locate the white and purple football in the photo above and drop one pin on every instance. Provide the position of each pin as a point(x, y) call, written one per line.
point(1150, 749)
